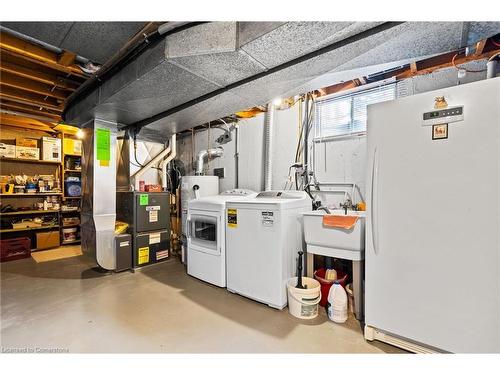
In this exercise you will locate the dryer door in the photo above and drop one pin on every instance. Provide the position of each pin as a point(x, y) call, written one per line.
point(203, 230)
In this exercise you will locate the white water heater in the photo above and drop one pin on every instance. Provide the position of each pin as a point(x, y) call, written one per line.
point(193, 187)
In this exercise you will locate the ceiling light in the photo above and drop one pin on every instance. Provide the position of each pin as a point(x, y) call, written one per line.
point(277, 102)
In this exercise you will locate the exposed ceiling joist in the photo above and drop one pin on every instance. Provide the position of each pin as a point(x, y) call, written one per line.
point(38, 76)
point(28, 110)
point(28, 98)
point(10, 120)
point(31, 52)
point(25, 84)
point(416, 68)
point(480, 47)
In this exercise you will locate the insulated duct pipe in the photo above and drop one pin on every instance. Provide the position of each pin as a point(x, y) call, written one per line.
point(268, 147)
point(205, 154)
point(164, 163)
point(153, 162)
point(491, 69)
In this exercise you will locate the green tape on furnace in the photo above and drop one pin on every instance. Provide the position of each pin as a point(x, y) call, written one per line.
point(103, 144)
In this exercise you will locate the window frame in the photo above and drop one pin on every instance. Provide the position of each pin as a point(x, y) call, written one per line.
point(318, 137)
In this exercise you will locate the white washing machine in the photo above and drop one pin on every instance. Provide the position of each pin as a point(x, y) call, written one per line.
point(206, 245)
point(263, 236)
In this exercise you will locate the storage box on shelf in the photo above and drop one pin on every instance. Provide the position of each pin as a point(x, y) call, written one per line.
point(51, 149)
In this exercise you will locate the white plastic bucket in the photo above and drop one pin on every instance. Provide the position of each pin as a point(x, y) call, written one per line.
point(303, 303)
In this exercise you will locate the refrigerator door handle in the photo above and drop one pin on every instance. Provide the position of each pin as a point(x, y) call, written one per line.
point(374, 202)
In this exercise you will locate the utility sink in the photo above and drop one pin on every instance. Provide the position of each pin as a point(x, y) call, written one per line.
point(335, 242)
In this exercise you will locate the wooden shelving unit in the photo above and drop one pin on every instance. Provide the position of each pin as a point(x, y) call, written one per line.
point(70, 157)
point(30, 161)
point(29, 167)
point(24, 195)
point(32, 212)
point(28, 229)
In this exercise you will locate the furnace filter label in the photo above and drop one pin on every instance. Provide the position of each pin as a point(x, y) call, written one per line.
point(143, 255)
point(153, 216)
point(154, 237)
point(161, 254)
point(267, 218)
point(232, 218)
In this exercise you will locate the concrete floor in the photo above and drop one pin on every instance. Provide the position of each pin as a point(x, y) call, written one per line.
point(65, 304)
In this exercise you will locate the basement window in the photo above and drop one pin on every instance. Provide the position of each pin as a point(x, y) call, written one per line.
point(340, 115)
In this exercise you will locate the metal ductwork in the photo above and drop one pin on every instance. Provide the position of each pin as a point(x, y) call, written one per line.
point(99, 192)
point(229, 66)
point(491, 68)
point(206, 154)
point(268, 147)
point(123, 164)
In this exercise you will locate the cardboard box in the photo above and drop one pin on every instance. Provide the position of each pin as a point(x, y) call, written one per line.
point(7, 151)
point(72, 146)
point(51, 149)
point(27, 153)
point(46, 240)
point(27, 142)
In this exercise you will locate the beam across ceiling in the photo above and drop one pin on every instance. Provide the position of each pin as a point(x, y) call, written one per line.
point(29, 110)
point(26, 123)
point(423, 67)
point(29, 98)
point(38, 76)
point(26, 84)
point(33, 53)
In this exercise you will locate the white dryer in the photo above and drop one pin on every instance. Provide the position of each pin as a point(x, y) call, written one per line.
point(206, 245)
point(263, 236)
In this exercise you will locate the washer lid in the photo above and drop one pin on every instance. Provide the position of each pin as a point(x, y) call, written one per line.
point(218, 202)
point(281, 198)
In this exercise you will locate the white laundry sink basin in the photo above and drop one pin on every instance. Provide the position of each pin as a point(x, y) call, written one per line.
point(334, 242)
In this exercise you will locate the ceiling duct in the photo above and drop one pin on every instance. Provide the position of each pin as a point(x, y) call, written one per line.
point(214, 69)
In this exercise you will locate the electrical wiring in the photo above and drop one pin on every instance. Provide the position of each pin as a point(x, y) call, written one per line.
point(135, 150)
point(494, 56)
point(467, 70)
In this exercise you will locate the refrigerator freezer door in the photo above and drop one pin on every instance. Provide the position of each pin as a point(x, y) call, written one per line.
point(433, 221)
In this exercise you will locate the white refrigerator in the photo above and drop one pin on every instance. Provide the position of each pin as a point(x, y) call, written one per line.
point(433, 221)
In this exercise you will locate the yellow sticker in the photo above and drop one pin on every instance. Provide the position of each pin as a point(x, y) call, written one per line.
point(104, 163)
point(143, 255)
point(232, 218)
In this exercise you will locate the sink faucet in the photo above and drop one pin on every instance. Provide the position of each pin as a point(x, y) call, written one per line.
point(347, 205)
point(324, 208)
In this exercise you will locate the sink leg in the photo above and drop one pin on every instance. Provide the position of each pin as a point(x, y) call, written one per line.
point(310, 265)
point(357, 288)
